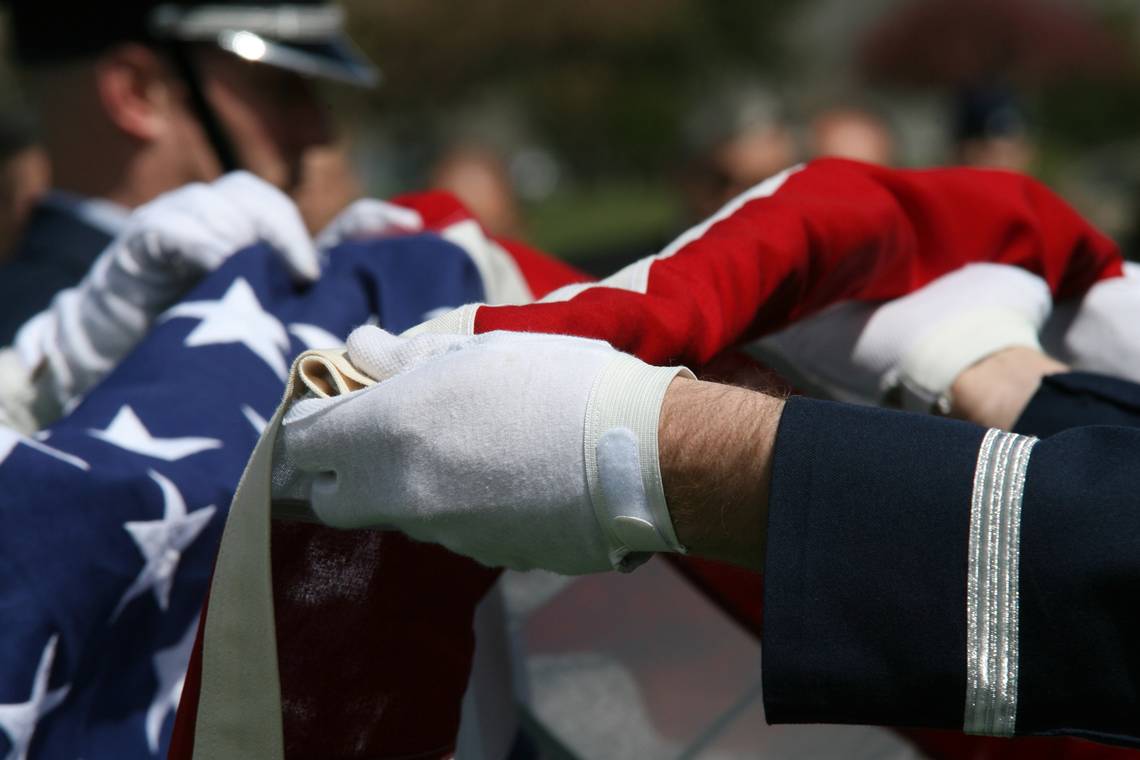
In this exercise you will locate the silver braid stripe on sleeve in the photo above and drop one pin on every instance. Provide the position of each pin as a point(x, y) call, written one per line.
point(991, 584)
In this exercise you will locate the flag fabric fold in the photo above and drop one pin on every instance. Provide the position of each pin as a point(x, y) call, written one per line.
point(113, 516)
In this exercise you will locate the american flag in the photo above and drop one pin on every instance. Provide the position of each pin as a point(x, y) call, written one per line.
point(102, 573)
point(111, 517)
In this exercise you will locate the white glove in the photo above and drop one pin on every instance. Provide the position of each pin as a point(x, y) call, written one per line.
point(369, 218)
point(916, 345)
point(165, 248)
point(17, 394)
point(519, 450)
point(1100, 332)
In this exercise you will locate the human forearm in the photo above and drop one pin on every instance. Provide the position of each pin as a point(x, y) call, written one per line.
point(716, 445)
point(717, 442)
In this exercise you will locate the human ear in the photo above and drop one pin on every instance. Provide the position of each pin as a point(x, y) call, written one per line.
point(136, 91)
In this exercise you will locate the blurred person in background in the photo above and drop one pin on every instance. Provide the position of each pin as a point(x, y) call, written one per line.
point(479, 177)
point(735, 139)
point(24, 177)
point(139, 97)
point(991, 130)
point(327, 185)
point(852, 131)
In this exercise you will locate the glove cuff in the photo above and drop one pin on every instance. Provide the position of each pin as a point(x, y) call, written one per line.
point(925, 374)
point(623, 472)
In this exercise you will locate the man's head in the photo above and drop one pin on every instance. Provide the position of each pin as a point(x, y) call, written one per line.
point(139, 96)
point(478, 175)
point(852, 131)
point(736, 136)
point(270, 115)
point(991, 130)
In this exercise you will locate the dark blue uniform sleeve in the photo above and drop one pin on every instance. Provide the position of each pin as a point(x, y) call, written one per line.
point(1074, 399)
point(926, 572)
point(54, 253)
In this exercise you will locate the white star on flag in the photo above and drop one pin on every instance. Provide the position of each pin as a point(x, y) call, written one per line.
point(315, 337)
point(256, 420)
point(161, 543)
point(10, 439)
point(237, 318)
point(170, 668)
point(128, 432)
point(18, 721)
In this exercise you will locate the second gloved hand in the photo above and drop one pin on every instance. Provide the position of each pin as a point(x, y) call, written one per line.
point(165, 248)
point(1098, 333)
point(519, 450)
point(917, 345)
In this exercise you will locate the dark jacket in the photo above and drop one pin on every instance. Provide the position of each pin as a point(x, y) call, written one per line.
point(926, 572)
point(56, 250)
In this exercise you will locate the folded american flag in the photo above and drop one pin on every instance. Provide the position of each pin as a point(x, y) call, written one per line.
point(112, 517)
point(831, 231)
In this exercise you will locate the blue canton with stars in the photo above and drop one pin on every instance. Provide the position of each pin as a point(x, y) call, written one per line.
point(111, 518)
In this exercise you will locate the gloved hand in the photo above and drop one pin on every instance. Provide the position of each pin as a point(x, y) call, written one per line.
point(165, 248)
point(369, 218)
point(916, 345)
point(1100, 332)
point(519, 450)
